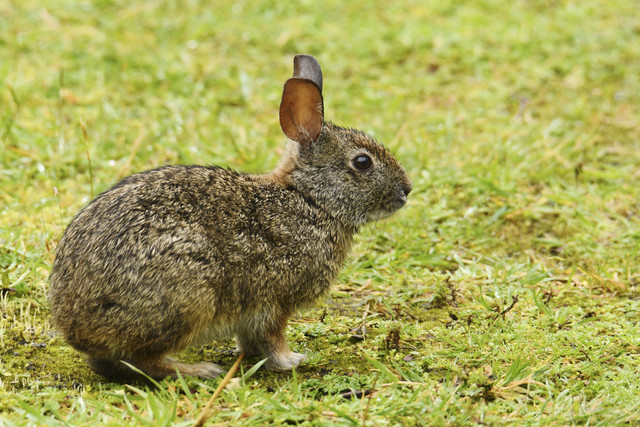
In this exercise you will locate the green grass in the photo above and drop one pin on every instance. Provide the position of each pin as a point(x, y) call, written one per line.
point(506, 292)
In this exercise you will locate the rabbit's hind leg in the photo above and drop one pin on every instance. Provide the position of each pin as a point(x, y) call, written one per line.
point(154, 368)
point(113, 369)
point(204, 370)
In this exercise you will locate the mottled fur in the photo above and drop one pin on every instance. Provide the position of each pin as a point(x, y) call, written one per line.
point(179, 255)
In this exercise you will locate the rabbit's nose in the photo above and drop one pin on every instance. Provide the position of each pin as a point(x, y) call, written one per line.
point(404, 191)
point(407, 187)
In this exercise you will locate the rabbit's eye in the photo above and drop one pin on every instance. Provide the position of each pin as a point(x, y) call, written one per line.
point(362, 162)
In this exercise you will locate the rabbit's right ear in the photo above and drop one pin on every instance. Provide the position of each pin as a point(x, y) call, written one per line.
point(301, 108)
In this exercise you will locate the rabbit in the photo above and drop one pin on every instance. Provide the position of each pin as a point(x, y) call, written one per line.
point(179, 255)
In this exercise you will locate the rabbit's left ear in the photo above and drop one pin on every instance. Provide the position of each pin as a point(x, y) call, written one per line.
point(302, 107)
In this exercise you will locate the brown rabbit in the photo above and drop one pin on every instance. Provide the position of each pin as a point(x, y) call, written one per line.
point(180, 255)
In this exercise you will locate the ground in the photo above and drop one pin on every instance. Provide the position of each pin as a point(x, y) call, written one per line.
point(507, 291)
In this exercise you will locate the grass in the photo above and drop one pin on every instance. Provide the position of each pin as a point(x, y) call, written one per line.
point(506, 292)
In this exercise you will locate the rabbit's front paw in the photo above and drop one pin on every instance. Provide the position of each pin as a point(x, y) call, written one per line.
point(284, 361)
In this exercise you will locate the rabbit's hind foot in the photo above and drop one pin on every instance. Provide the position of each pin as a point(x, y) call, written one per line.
point(203, 370)
point(156, 369)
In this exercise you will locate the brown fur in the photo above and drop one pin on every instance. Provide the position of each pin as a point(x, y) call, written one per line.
point(179, 255)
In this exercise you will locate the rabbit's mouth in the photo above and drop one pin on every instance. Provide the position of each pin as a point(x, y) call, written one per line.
point(388, 208)
point(380, 214)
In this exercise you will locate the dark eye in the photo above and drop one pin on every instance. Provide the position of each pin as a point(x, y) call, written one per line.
point(362, 162)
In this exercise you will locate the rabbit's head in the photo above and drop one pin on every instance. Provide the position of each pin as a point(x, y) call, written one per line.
point(344, 171)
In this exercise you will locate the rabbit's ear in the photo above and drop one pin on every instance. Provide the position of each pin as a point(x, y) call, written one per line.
point(301, 109)
point(306, 67)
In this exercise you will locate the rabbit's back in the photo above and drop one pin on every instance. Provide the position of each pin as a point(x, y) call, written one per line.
point(179, 254)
